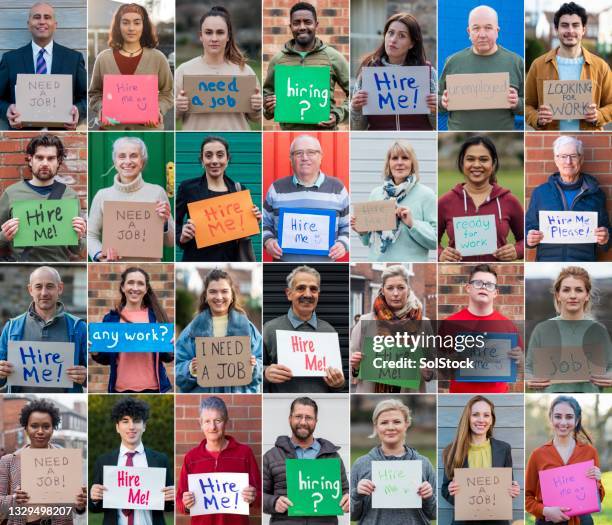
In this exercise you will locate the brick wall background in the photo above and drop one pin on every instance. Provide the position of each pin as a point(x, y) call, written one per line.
point(244, 425)
point(539, 165)
point(103, 280)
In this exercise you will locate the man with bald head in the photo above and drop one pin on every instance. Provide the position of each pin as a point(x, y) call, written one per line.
point(46, 320)
point(308, 188)
point(485, 55)
point(42, 56)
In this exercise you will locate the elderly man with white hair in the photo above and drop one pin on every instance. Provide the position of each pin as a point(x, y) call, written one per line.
point(484, 56)
point(569, 189)
point(307, 188)
point(129, 158)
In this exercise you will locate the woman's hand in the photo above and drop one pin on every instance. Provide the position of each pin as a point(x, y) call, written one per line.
point(188, 232)
point(355, 360)
point(109, 255)
point(506, 253)
point(538, 383)
point(425, 491)
point(453, 488)
point(449, 254)
point(601, 380)
point(514, 489)
point(353, 222)
point(253, 361)
point(594, 473)
point(365, 487)
point(256, 101)
point(81, 499)
point(163, 210)
point(556, 514)
point(257, 212)
point(193, 367)
point(432, 102)
point(21, 497)
point(182, 102)
point(248, 494)
point(359, 100)
point(188, 499)
point(154, 123)
point(534, 237)
point(405, 215)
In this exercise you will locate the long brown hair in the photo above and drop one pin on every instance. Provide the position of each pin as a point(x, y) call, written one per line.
point(232, 52)
point(148, 37)
point(217, 275)
point(149, 300)
point(580, 434)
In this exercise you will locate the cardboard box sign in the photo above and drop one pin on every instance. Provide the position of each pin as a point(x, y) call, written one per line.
point(44, 222)
point(308, 354)
point(483, 494)
point(224, 361)
point(133, 488)
point(396, 90)
point(568, 227)
point(218, 493)
point(44, 100)
point(478, 91)
point(219, 93)
point(314, 486)
point(396, 484)
point(130, 99)
point(375, 216)
point(569, 364)
point(568, 99)
point(303, 94)
point(40, 364)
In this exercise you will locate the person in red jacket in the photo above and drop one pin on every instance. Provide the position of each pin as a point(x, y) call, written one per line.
point(217, 452)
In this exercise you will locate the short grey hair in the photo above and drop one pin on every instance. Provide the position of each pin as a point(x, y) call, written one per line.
point(56, 276)
point(396, 270)
point(214, 403)
point(302, 137)
point(564, 140)
point(133, 141)
point(386, 405)
point(302, 269)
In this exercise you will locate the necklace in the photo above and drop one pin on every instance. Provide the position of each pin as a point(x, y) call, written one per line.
point(131, 53)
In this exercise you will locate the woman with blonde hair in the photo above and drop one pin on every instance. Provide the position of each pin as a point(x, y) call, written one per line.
point(415, 231)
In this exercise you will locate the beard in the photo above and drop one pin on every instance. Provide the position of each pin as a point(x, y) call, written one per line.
point(43, 175)
point(301, 431)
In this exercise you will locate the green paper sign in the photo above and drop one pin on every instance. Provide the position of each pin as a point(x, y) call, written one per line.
point(402, 377)
point(302, 94)
point(44, 222)
point(314, 487)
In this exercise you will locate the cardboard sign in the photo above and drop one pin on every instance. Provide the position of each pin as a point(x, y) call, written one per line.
point(52, 475)
point(218, 493)
point(130, 99)
point(375, 216)
point(224, 361)
point(478, 91)
point(44, 100)
point(568, 99)
point(131, 337)
point(568, 486)
point(314, 487)
point(133, 229)
point(568, 227)
point(372, 366)
point(308, 354)
point(475, 235)
point(483, 494)
point(396, 90)
point(133, 488)
point(569, 364)
point(40, 364)
point(306, 230)
point(223, 219)
point(303, 94)
point(219, 93)
point(44, 222)
point(491, 363)
point(396, 484)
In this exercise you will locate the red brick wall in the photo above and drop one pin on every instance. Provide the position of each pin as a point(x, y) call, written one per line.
point(103, 281)
point(11, 409)
point(244, 425)
point(539, 164)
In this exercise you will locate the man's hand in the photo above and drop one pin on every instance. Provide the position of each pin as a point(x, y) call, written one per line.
point(602, 235)
point(337, 251)
point(545, 115)
point(344, 503)
point(333, 377)
point(272, 247)
point(278, 373)
point(97, 492)
point(72, 125)
point(513, 97)
point(591, 114)
point(534, 237)
point(10, 228)
point(270, 104)
point(79, 225)
point(14, 117)
point(6, 369)
point(168, 493)
point(77, 374)
point(444, 99)
point(282, 504)
point(330, 123)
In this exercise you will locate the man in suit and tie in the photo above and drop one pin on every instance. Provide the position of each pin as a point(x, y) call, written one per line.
point(42, 56)
point(130, 416)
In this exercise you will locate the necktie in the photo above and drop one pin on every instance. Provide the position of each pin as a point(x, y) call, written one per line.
point(129, 513)
point(41, 65)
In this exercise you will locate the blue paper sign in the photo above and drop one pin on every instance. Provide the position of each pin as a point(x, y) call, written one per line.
point(306, 230)
point(491, 363)
point(131, 337)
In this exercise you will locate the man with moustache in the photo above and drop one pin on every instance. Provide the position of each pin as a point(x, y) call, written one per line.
point(300, 445)
point(46, 320)
point(570, 61)
point(44, 155)
point(305, 49)
point(42, 56)
point(130, 416)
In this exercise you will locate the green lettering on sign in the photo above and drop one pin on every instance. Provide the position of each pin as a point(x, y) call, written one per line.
point(314, 487)
point(302, 94)
point(44, 222)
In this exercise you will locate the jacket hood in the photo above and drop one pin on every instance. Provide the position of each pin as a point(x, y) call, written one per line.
point(376, 454)
point(494, 199)
point(289, 47)
point(284, 443)
point(589, 183)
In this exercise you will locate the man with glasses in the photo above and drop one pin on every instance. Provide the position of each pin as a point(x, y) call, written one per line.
point(569, 189)
point(307, 188)
point(300, 445)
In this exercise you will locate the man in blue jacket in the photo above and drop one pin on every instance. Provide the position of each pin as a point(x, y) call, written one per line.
point(568, 190)
point(46, 320)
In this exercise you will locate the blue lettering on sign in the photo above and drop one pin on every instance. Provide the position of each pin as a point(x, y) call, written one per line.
point(221, 494)
point(214, 101)
point(563, 227)
point(40, 366)
point(385, 83)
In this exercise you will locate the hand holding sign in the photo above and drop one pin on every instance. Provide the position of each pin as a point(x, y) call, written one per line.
point(568, 227)
point(308, 354)
point(314, 487)
point(397, 484)
point(218, 493)
point(40, 364)
point(475, 235)
point(134, 488)
point(483, 494)
point(395, 90)
point(46, 222)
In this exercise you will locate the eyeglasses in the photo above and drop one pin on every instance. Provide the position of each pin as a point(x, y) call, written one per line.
point(487, 285)
point(565, 158)
point(310, 153)
point(308, 419)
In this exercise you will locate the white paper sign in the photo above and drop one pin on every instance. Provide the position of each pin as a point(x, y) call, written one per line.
point(306, 233)
point(134, 488)
point(568, 227)
point(396, 484)
point(40, 364)
point(308, 353)
point(492, 360)
point(475, 235)
point(218, 493)
point(396, 90)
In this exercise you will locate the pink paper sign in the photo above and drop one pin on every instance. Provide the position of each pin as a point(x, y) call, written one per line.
point(130, 99)
point(569, 487)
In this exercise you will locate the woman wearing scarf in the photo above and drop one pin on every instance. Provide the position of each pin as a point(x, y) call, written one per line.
point(415, 231)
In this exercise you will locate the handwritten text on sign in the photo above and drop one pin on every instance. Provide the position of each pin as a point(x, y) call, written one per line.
point(568, 99)
point(375, 216)
point(478, 91)
point(483, 494)
point(52, 475)
point(218, 493)
point(568, 227)
point(396, 90)
point(314, 487)
point(302, 94)
point(491, 362)
point(40, 364)
point(44, 100)
point(569, 487)
point(396, 484)
point(219, 93)
point(134, 488)
point(374, 365)
point(306, 231)
point(569, 364)
point(475, 235)
point(308, 353)
point(46, 222)
point(223, 361)
point(130, 99)
point(131, 337)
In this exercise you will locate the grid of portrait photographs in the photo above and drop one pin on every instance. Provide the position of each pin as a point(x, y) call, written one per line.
point(318, 263)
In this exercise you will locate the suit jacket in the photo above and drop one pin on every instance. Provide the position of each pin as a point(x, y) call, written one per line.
point(154, 459)
point(65, 62)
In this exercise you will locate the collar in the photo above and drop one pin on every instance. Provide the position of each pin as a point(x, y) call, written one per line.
point(48, 48)
point(551, 56)
point(123, 450)
point(316, 446)
point(59, 312)
point(130, 187)
point(317, 183)
point(297, 322)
